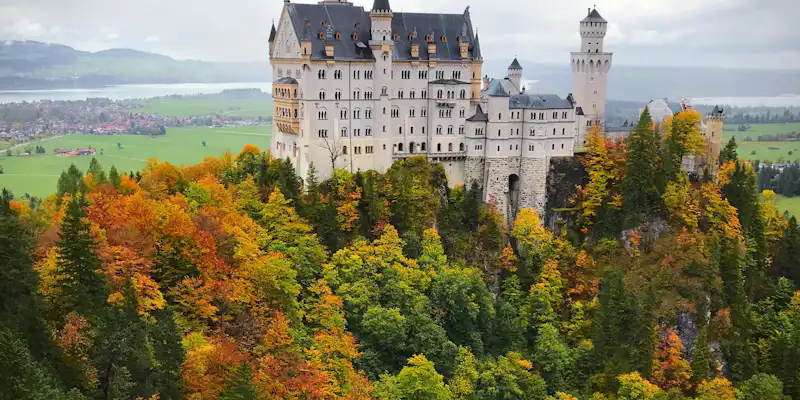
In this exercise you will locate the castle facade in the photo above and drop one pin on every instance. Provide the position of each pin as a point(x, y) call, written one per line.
point(357, 89)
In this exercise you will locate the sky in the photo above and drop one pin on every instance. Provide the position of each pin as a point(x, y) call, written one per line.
point(708, 33)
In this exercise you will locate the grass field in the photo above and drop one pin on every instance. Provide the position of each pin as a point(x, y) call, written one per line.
point(38, 174)
point(791, 204)
point(754, 150)
point(207, 105)
point(764, 153)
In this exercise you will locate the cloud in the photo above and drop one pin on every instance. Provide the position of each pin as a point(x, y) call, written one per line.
point(745, 33)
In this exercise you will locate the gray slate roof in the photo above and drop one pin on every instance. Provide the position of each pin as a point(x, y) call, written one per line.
point(272, 33)
point(594, 16)
point(348, 19)
point(538, 102)
point(479, 116)
point(515, 64)
point(448, 82)
point(501, 87)
point(382, 5)
point(288, 80)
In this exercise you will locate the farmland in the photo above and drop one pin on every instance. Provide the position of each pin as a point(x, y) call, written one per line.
point(206, 105)
point(38, 174)
point(751, 149)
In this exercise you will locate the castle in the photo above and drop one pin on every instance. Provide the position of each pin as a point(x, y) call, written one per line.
point(357, 89)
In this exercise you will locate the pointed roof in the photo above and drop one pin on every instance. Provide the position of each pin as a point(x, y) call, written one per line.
point(515, 64)
point(476, 47)
point(381, 5)
point(594, 16)
point(272, 33)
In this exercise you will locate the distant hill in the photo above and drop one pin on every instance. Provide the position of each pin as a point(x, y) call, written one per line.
point(647, 83)
point(37, 65)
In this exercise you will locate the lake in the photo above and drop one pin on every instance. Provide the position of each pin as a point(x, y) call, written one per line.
point(127, 91)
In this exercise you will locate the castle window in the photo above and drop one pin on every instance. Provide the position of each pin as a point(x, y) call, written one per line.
point(439, 130)
point(450, 130)
point(510, 147)
point(423, 112)
point(399, 147)
point(344, 132)
point(444, 39)
point(555, 115)
point(553, 147)
point(499, 116)
point(438, 147)
point(343, 113)
point(368, 149)
point(498, 149)
point(554, 131)
point(422, 146)
point(563, 131)
point(449, 147)
point(463, 94)
point(461, 130)
point(533, 116)
point(562, 145)
point(355, 35)
point(461, 147)
point(400, 130)
point(344, 150)
point(338, 36)
point(368, 132)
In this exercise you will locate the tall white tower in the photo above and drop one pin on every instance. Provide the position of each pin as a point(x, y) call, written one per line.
point(381, 43)
point(590, 69)
point(515, 74)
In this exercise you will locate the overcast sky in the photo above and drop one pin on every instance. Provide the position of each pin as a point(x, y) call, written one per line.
point(712, 33)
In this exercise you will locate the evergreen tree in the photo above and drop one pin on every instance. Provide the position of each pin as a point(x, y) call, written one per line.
point(639, 195)
point(728, 153)
point(113, 177)
point(98, 174)
point(82, 287)
point(70, 181)
point(702, 363)
point(787, 261)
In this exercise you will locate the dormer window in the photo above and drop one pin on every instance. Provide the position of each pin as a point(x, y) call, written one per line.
point(428, 38)
point(324, 23)
point(338, 36)
point(444, 38)
point(321, 35)
point(358, 25)
point(355, 35)
point(395, 37)
point(410, 36)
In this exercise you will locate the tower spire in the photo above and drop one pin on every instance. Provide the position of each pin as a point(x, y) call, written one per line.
point(381, 5)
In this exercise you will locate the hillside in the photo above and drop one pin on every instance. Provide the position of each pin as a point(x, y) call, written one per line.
point(37, 65)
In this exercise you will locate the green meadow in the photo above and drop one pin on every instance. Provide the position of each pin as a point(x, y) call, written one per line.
point(38, 174)
point(790, 204)
point(206, 105)
point(752, 149)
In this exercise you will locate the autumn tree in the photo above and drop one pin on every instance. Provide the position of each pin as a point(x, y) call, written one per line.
point(670, 370)
point(418, 380)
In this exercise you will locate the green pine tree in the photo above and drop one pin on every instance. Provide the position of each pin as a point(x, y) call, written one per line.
point(639, 195)
point(83, 288)
point(729, 152)
point(98, 174)
point(113, 177)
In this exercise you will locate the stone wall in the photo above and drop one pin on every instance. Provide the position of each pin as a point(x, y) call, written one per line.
point(533, 183)
point(474, 168)
point(563, 176)
point(497, 172)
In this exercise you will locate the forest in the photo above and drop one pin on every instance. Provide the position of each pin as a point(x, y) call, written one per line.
point(236, 279)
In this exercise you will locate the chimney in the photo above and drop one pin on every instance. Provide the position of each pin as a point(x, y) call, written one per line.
point(588, 11)
point(415, 50)
point(328, 49)
point(432, 49)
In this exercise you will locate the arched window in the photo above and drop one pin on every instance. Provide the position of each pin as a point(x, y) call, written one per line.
point(463, 94)
point(344, 132)
point(461, 147)
point(438, 147)
point(449, 147)
point(422, 146)
point(399, 147)
point(439, 94)
point(344, 150)
point(411, 147)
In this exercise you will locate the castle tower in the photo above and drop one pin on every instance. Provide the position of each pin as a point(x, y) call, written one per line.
point(381, 44)
point(590, 68)
point(714, 122)
point(515, 74)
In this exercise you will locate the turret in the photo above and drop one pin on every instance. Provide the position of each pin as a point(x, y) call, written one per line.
point(272, 34)
point(714, 125)
point(515, 74)
point(593, 32)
